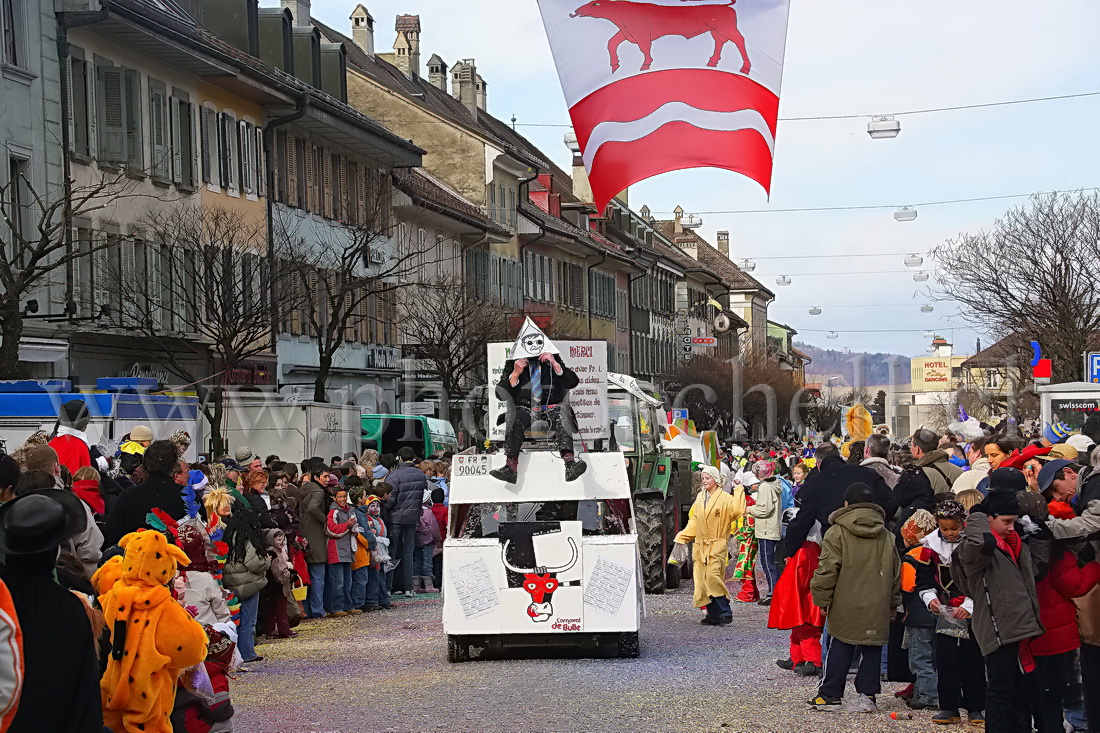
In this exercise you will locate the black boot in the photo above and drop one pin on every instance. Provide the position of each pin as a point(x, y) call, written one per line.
point(505, 473)
point(575, 469)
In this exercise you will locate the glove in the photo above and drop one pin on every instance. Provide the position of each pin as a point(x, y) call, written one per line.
point(680, 554)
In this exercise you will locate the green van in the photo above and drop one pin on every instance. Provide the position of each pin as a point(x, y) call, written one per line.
point(427, 436)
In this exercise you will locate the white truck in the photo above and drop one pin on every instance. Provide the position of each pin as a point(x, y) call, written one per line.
point(541, 562)
point(293, 431)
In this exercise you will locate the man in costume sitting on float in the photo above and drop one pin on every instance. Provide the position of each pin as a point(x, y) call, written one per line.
point(536, 383)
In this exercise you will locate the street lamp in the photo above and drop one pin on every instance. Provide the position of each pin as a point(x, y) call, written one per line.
point(783, 281)
point(883, 127)
point(832, 335)
point(815, 311)
point(905, 213)
point(914, 260)
point(746, 265)
point(929, 334)
point(927, 308)
point(920, 277)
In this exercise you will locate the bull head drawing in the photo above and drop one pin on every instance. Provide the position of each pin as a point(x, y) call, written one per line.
point(541, 582)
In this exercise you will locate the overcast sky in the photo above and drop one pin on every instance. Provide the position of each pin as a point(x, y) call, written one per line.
point(843, 57)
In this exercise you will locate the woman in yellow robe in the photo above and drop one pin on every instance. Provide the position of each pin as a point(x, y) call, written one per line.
point(710, 525)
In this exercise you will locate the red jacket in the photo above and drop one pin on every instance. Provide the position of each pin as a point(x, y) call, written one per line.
point(72, 452)
point(440, 513)
point(1057, 612)
point(89, 492)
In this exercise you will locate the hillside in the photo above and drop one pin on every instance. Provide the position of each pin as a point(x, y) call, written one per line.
point(875, 367)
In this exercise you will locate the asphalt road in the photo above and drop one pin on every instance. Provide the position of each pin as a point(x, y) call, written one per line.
point(388, 671)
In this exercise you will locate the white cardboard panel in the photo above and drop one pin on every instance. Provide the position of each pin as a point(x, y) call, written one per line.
point(541, 478)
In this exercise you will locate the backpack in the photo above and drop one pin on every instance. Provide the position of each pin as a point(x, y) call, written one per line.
point(786, 494)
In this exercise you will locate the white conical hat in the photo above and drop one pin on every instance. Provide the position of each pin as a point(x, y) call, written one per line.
point(531, 342)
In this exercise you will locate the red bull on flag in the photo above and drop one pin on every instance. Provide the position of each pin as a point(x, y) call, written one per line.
point(666, 85)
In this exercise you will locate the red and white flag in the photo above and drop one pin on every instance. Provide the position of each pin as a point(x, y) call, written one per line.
point(665, 85)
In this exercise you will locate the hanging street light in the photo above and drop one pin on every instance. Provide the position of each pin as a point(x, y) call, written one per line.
point(914, 260)
point(905, 213)
point(783, 281)
point(746, 265)
point(832, 335)
point(815, 311)
point(920, 277)
point(929, 334)
point(927, 308)
point(931, 349)
point(883, 127)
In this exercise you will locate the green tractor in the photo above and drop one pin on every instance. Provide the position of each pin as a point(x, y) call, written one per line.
point(660, 480)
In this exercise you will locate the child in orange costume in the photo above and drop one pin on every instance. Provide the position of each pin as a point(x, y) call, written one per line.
point(152, 636)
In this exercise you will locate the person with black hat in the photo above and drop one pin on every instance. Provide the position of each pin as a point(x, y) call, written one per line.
point(9, 477)
point(74, 450)
point(993, 566)
point(61, 684)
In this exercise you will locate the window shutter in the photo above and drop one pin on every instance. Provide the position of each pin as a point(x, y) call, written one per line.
point(261, 162)
point(132, 87)
point(291, 194)
point(206, 149)
point(112, 145)
point(578, 286)
point(177, 110)
point(327, 194)
point(244, 161)
point(223, 157)
point(191, 172)
point(309, 204)
point(152, 280)
point(158, 130)
point(71, 122)
point(91, 88)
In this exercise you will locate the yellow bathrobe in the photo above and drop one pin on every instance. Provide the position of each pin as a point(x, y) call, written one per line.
point(711, 522)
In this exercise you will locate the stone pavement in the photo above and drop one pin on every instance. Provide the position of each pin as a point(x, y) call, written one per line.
point(388, 671)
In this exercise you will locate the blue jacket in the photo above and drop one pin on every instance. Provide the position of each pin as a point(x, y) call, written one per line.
point(409, 484)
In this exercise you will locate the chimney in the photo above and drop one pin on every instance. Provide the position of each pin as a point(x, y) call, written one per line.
point(678, 212)
point(437, 73)
point(582, 189)
point(299, 9)
point(406, 48)
point(481, 88)
point(464, 84)
point(724, 244)
point(362, 29)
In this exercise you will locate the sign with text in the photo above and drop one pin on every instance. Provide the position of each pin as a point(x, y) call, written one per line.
point(1092, 367)
point(418, 408)
point(936, 372)
point(589, 399)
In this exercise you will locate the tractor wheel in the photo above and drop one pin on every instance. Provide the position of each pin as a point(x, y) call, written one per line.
point(672, 572)
point(650, 522)
point(458, 649)
point(629, 647)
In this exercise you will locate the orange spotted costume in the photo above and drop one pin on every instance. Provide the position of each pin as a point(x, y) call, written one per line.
point(152, 636)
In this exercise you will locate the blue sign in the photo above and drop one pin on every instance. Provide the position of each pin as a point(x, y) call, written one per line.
point(680, 415)
point(1093, 365)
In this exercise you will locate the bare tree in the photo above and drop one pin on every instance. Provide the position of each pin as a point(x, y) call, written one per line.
point(198, 284)
point(37, 250)
point(337, 270)
point(1033, 275)
point(450, 329)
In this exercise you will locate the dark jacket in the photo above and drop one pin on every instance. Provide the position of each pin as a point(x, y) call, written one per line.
point(823, 494)
point(313, 513)
point(137, 501)
point(857, 581)
point(916, 566)
point(409, 484)
point(555, 387)
point(1006, 606)
point(913, 492)
point(259, 506)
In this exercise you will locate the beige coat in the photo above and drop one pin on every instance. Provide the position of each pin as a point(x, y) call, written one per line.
point(710, 525)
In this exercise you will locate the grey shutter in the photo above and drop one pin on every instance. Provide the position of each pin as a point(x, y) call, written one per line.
point(191, 166)
point(260, 163)
point(177, 109)
point(206, 136)
point(71, 122)
point(132, 106)
point(91, 88)
point(112, 124)
point(158, 131)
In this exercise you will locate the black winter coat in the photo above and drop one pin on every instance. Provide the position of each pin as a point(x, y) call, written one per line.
point(913, 492)
point(823, 494)
point(135, 502)
point(555, 387)
point(407, 499)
